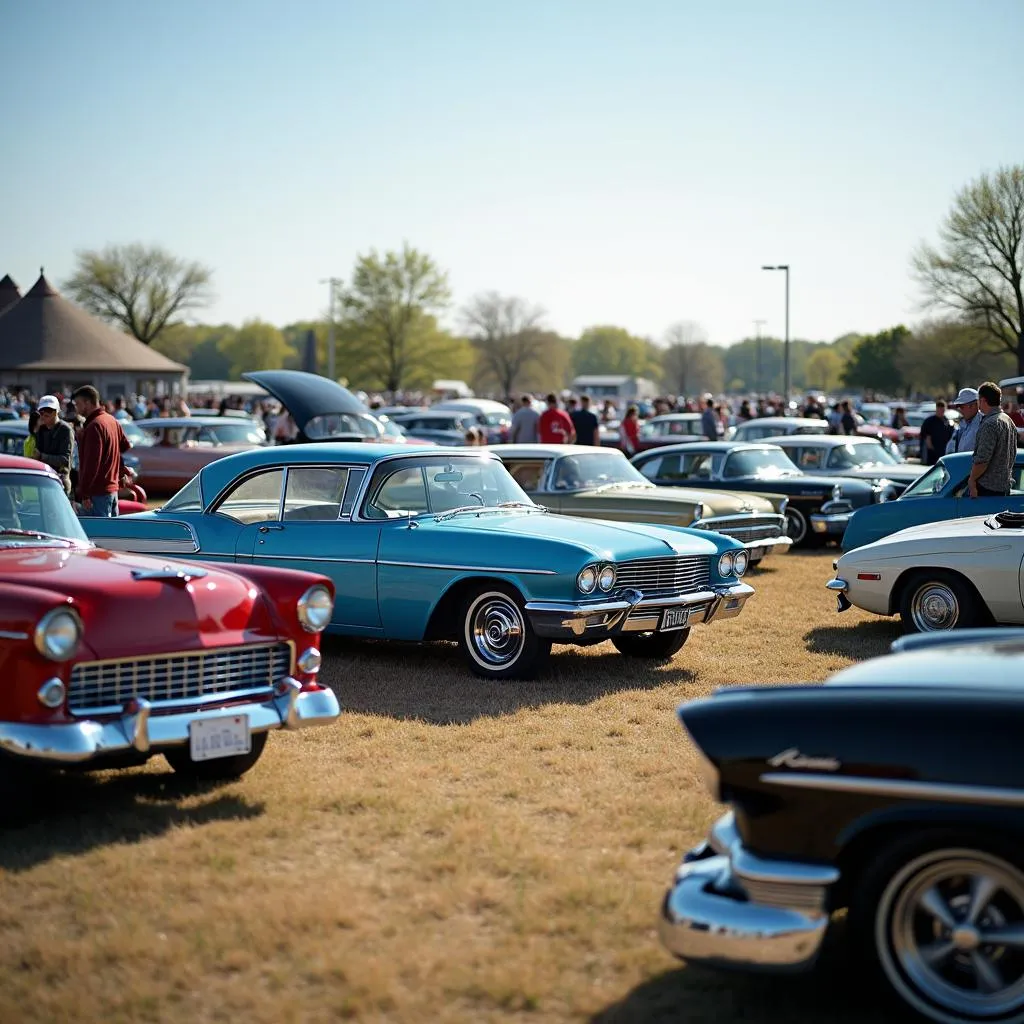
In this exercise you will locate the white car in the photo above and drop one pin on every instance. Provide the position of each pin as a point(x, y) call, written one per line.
point(950, 575)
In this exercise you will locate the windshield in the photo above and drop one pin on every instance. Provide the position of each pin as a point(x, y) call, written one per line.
point(36, 504)
point(600, 469)
point(762, 462)
point(439, 483)
point(933, 482)
point(320, 428)
point(233, 433)
point(850, 456)
point(391, 429)
point(671, 427)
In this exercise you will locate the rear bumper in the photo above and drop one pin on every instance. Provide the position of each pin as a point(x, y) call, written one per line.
point(839, 587)
point(143, 729)
point(631, 612)
point(730, 908)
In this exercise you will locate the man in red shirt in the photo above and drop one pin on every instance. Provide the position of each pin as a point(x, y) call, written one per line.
point(554, 426)
point(100, 447)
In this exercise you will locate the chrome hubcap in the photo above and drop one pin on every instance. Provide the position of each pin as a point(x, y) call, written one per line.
point(956, 934)
point(496, 630)
point(934, 608)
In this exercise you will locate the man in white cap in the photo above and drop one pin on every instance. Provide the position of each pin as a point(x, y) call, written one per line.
point(966, 433)
point(55, 440)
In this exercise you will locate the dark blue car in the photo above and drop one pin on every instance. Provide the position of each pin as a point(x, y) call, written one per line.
point(939, 494)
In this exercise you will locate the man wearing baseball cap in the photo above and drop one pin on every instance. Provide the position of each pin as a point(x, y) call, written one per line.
point(966, 434)
point(55, 440)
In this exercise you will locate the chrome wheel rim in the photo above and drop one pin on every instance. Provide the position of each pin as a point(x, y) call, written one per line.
point(796, 525)
point(950, 932)
point(934, 607)
point(496, 631)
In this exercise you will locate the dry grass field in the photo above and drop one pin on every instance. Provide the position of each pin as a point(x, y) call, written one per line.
point(449, 851)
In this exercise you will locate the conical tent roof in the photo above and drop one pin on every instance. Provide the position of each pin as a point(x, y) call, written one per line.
point(45, 331)
point(9, 292)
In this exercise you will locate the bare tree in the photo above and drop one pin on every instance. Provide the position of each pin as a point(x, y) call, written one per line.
point(977, 267)
point(143, 289)
point(686, 362)
point(507, 333)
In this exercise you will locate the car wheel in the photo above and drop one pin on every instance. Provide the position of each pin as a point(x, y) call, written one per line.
point(497, 638)
point(660, 646)
point(940, 921)
point(936, 601)
point(796, 526)
point(217, 769)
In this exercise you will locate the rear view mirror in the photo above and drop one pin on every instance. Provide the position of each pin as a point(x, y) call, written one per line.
point(450, 476)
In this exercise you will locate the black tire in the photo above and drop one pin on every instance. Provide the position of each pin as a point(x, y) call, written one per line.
point(916, 929)
point(798, 528)
point(656, 646)
point(935, 601)
point(218, 769)
point(496, 637)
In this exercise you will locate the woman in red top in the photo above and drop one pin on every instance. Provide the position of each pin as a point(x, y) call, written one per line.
point(629, 431)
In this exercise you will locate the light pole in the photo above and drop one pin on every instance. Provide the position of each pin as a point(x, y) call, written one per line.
point(758, 324)
point(785, 351)
point(332, 283)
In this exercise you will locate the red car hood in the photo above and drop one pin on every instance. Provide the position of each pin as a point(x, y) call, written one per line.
point(126, 614)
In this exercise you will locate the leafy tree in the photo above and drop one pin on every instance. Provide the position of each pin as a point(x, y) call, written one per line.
point(607, 349)
point(257, 345)
point(942, 356)
point(388, 305)
point(873, 362)
point(824, 368)
point(143, 289)
point(977, 267)
point(508, 338)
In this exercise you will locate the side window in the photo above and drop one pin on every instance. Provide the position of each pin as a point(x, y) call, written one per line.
point(527, 474)
point(651, 467)
point(256, 499)
point(697, 467)
point(807, 458)
point(397, 495)
point(355, 481)
point(314, 493)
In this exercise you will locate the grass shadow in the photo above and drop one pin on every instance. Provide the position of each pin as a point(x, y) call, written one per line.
point(67, 814)
point(863, 640)
point(430, 682)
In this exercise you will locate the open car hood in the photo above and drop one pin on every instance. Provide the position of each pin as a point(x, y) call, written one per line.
point(307, 395)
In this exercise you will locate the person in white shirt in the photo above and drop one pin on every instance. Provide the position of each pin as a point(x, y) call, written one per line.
point(966, 433)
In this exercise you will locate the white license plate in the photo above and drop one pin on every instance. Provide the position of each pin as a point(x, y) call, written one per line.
point(674, 618)
point(224, 736)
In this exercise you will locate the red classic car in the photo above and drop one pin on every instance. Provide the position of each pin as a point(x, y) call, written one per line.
point(109, 658)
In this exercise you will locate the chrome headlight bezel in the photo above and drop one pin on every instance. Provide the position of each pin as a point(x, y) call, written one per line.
point(46, 635)
point(740, 567)
point(586, 579)
point(606, 578)
point(837, 492)
point(698, 511)
point(726, 563)
point(315, 608)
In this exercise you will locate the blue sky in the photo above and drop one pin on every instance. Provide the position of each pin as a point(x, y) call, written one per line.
point(629, 162)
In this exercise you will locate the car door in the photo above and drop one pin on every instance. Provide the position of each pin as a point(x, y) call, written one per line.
point(311, 528)
point(967, 506)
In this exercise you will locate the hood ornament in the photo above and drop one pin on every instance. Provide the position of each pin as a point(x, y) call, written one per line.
point(169, 573)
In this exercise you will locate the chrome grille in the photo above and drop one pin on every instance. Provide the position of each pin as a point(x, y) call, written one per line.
point(107, 685)
point(662, 577)
point(746, 529)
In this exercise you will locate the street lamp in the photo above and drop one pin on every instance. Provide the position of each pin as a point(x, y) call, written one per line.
point(785, 267)
point(333, 283)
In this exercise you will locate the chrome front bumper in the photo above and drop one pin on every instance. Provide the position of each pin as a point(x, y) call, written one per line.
point(631, 612)
point(730, 908)
point(143, 728)
point(839, 587)
point(830, 525)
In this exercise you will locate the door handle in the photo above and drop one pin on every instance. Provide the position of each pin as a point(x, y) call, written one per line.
point(270, 526)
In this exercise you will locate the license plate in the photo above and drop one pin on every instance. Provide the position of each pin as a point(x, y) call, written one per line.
point(224, 736)
point(674, 618)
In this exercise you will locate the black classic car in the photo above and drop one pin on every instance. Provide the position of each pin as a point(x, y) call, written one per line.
point(819, 506)
point(895, 790)
point(863, 458)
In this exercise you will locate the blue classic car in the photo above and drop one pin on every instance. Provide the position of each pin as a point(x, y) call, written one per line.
point(429, 544)
point(939, 494)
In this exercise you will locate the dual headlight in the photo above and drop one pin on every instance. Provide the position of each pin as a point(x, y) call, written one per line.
point(733, 562)
point(595, 577)
point(58, 634)
point(315, 608)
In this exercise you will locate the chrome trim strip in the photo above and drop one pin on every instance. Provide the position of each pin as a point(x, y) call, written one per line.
point(314, 558)
point(12, 634)
point(178, 702)
point(145, 545)
point(949, 792)
point(469, 568)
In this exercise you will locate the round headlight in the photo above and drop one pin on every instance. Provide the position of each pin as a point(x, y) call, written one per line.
point(587, 579)
point(837, 492)
point(740, 561)
point(314, 608)
point(725, 564)
point(58, 634)
point(606, 580)
point(698, 512)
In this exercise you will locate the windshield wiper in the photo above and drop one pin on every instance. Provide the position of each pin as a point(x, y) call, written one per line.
point(521, 504)
point(442, 516)
point(6, 531)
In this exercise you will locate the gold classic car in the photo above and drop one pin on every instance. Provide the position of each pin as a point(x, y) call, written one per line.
point(600, 483)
